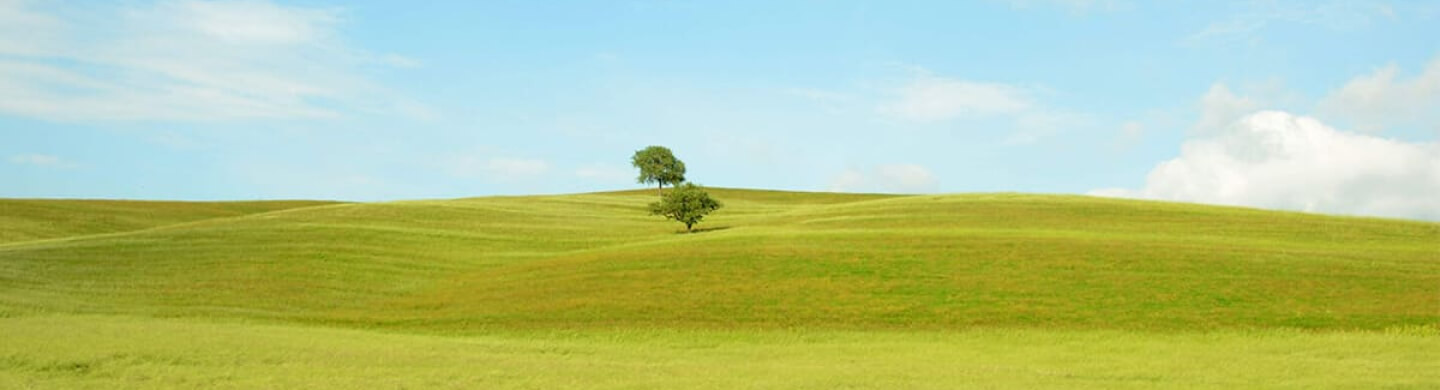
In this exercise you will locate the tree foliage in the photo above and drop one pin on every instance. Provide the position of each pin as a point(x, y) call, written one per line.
point(687, 203)
point(658, 165)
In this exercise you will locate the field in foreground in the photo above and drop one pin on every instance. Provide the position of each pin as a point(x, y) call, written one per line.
point(63, 352)
point(781, 290)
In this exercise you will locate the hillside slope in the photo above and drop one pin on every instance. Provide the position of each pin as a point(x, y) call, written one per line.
point(767, 260)
point(35, 219)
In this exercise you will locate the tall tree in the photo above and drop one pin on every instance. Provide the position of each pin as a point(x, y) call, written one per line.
point(658, 165)
point(687, 203)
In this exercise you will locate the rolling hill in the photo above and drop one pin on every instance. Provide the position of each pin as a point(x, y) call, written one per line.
point(35, 219)
point(768, 260)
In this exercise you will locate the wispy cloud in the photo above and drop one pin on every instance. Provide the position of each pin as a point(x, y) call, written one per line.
point(1384, 99)
point(1074, 6)
point(1035, 125)
point(499, 168)
point(1130, 133)
point(928, 98)
point(1260, 15)
point(41, 160)
point(606, 173)
point(400, 61)
point(831, 101)
point(182, 61)
point(890, 178)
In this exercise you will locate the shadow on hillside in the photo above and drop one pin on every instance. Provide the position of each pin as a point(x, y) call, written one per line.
point(703, 230)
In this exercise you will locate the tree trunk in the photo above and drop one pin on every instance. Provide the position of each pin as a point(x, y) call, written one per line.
point(687, 227)
point(660, 188)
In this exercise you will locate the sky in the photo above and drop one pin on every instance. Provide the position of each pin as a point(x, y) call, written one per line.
point(1319, 106)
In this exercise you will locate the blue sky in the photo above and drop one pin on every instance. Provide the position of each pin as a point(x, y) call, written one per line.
point(1324, 106)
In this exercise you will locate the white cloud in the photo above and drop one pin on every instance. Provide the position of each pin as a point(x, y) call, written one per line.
point(819, 95)
point(1277, 160)
point(40, 160)
point(831, 101)
point(604, 173)
point(892, 178)
point(511, 168)
point(1078, 6)
point(400, 61)
point(23, 31)
point(1239, 27)
point(180, 61)
point(1259, 15)
point(499, 168)
point(905, 178)
point(929, 98)
point(1220, 107)
point(1128, 135)
point(1035, 125)
point(746, 149)
point(249, 22)
point(1132, 130)
point(851, 180)
point(278, 179)
point(1383, 99)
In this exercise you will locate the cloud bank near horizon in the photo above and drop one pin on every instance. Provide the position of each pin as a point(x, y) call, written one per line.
point(1278, 160)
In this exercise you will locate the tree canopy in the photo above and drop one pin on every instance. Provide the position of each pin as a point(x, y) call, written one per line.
point(687, 203)
point(658, 165)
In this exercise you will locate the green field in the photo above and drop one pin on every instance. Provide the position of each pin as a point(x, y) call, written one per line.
point(778, 290)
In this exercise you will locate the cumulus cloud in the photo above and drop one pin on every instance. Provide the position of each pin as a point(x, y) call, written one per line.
point(181, 61)
point(1220, 107)
point(1383, 99)
point(891, 178)
point(1274, 159)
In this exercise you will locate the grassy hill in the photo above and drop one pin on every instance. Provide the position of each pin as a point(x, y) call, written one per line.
point(35, 219)
point(769, 260)
point(780, 290)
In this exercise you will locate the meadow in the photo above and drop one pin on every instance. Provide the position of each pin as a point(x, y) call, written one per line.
point(776, 290)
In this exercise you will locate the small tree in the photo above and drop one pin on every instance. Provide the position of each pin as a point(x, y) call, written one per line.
point(687, 203)
point(658, 165)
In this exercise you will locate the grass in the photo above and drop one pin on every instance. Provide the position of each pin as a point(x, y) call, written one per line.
point(919, 281)
point(782, 260)
point(35, 219)
point(64, 352)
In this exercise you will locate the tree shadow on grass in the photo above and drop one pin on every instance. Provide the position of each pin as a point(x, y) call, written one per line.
point(703, 230)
